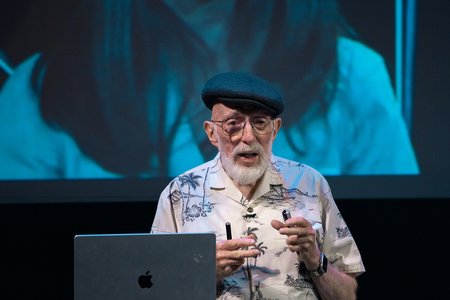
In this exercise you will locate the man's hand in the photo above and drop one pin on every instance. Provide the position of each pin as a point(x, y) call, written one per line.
point(230, 255)
point(301, 238)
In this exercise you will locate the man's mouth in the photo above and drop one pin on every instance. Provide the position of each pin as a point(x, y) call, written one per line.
point(248, 155)
point(248, 158)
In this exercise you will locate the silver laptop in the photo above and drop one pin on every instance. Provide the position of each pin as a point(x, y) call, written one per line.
point(145, 266)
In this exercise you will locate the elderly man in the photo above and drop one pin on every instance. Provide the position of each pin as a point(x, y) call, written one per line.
point(309, 254)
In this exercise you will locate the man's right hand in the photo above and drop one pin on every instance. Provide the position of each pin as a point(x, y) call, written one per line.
point(230, 255)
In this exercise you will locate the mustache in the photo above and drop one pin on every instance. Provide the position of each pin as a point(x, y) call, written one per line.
point(244, 148)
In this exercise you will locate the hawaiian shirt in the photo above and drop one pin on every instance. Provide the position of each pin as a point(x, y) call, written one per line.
point(205, 198)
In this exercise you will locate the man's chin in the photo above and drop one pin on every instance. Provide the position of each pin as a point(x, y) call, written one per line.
point(246, 175)
point(247, 165)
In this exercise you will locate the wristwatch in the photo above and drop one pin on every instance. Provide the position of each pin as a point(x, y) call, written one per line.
point(323, 266)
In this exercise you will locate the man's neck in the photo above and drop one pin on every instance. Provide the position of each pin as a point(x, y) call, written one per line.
point(247, 190)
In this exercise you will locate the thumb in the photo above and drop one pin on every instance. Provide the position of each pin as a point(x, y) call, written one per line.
point(277, 224)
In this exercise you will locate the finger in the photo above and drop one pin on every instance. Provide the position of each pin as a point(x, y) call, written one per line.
point(235, 244)
point(252, 236)
point(297, 230)
point(277, 224)
point(226, 271)
point(291, 231)
point(301, 239)
point(301, 248)
point(225, 267)
point(298, 222)
point(230, 262)
point(236, 254)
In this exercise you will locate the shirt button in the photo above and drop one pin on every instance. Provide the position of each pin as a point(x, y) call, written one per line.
point(250, 209)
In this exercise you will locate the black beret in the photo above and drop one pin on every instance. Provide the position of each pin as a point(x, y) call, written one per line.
point(238, 88)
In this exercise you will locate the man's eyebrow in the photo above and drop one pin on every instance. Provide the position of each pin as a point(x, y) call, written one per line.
point(259, 115)
point(233, 114)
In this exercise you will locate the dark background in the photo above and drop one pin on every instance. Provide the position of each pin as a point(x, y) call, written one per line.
point(402, 240)
point(402, 243)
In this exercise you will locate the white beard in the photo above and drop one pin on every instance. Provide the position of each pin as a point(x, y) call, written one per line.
point(242, 174)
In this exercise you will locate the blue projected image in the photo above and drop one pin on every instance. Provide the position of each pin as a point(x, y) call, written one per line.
point(116, 91)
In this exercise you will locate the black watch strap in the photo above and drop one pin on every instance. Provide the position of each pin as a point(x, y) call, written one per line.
point(323, 266)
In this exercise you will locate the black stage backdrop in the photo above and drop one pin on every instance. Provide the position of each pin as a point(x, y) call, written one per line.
point(402, 243)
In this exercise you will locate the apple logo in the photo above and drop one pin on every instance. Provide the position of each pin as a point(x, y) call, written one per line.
point(145, 280)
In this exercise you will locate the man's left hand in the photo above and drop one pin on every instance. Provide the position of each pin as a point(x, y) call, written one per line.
point(301, 238)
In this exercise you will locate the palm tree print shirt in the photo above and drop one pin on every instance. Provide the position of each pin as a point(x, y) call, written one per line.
point(205, 198)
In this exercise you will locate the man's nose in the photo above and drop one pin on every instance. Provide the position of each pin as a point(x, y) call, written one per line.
point(248, 135)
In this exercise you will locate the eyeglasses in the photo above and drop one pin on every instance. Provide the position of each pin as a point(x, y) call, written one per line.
point(235, 126)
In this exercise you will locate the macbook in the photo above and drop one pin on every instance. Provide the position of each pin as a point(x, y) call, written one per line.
point(145, 266)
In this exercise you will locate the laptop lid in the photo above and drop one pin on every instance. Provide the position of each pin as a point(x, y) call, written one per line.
point(145, 266)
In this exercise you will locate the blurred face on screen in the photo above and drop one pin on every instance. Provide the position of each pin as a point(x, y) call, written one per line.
point(244, 141)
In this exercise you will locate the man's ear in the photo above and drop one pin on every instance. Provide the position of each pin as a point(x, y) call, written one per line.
point(209, 130)
point(277, 125)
